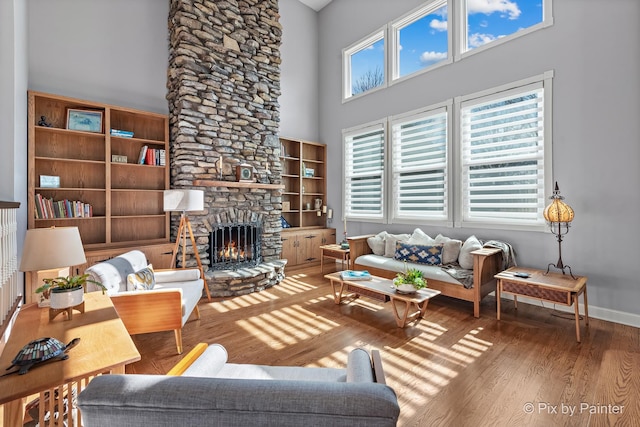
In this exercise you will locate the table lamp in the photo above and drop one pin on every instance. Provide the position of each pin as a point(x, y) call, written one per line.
point(559, 216)
point(185, 201)
point(54, 248)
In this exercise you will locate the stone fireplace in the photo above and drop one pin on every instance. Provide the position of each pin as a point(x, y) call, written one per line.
point(223, 87)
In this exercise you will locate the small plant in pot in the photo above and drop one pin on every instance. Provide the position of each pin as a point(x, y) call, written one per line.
point(409, 281)
point(64, 292)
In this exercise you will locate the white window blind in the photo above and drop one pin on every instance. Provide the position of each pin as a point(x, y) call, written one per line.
point(503, 143)
point(420, 173)
point(364, 173)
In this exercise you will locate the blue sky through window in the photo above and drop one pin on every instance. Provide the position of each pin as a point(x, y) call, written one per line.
point(424, 42)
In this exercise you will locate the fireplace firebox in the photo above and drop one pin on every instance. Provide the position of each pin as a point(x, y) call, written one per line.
point(235, 245)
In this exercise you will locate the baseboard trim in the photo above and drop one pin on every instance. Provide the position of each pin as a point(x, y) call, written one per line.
point(595, 312)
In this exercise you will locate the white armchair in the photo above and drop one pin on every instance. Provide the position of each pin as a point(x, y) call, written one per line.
point(166, 307)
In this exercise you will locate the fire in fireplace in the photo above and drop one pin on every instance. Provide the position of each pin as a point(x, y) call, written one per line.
point(235, 245)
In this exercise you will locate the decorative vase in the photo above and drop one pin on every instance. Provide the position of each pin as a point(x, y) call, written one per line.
point(404, 288)
point(65, 298)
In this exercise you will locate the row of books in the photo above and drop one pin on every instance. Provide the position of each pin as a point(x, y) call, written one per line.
point(49, 208)
point(152, 156)
point(121, 133)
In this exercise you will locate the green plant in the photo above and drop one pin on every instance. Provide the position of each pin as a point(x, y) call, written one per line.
point(70, 282)
point(413, 277)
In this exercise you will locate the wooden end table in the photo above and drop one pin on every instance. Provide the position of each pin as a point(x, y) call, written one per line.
point(105, 347)
point(382, 289)
point(335, 252)
point(551, 287)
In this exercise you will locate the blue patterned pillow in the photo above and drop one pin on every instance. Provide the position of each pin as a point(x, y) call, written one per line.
point(421, 254)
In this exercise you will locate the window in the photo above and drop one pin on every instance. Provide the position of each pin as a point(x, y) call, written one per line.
point(420, 165)
point(421, 39)
point(486, 22)
point(364, 65)
point(505, 155)
point(364, 156)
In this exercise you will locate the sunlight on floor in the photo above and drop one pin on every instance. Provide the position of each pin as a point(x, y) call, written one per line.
point(280, 328)
point(437, 366)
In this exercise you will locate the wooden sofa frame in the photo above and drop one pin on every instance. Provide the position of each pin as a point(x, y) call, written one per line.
point(487, 262)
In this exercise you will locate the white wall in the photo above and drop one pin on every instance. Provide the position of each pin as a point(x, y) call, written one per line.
point(299, 71)
point(13, 110)
point(112, 51)
point(596, 129)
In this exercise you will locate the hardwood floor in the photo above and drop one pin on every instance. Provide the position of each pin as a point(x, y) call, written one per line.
point(448, 369)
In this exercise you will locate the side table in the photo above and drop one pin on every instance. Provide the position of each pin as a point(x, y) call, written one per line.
point(105, 347)
point(551, 287)
point(335, 252)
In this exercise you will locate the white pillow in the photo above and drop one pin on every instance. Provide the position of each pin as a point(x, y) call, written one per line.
point(390, 243)
point(419, 237)
point(450, 249)
point(465, 259)
point(376, 243)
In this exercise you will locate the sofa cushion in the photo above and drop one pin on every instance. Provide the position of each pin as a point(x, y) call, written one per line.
point(376, 243)
point(383, 263)
point(450, 250)
point(465, 259)
point(141, 280)
point(421, 254)
point(178, 275)
point(390, 241)
point(113, 273)
point(419, 237)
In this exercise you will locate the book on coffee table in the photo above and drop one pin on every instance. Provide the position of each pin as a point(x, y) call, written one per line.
point(355, 275)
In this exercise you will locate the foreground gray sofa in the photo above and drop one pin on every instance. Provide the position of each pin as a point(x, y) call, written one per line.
point(244, 395)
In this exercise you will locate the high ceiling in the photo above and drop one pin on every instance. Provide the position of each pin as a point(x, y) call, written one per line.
point(316, 4)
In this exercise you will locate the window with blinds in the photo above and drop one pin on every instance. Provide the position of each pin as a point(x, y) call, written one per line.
point(419, 145)
point(364, 172)
point(503, 157)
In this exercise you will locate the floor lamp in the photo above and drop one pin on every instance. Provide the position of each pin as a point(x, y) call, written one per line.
point(184, 201)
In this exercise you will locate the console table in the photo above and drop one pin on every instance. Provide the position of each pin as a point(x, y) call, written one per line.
point(105, 347)
point(333, 251)
point(555, 288)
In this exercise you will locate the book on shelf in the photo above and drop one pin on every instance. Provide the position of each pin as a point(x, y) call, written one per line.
point(50, 209)
point(355, 275)
point(121, 133)
point(143, 154)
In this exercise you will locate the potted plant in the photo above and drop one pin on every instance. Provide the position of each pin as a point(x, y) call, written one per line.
point(409, 281)
point(64, 292)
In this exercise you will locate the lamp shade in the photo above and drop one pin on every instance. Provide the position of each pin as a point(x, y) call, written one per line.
point(557, 210)
point(49, 248)
point(183, 200)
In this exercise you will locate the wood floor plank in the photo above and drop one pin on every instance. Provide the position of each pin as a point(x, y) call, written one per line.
point(448, 368)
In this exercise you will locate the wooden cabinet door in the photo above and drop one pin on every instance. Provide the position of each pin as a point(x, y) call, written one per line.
point(290, 247)
point(328, 236)
point(309, 250)
point(159, 255)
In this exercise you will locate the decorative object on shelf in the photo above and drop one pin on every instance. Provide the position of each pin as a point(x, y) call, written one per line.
point(41, 350)
point(49, 181)
point(84, 120)
point(57, 248)
point(244, 173)
point(307, 206)
point(43, 122)
point(409, 281)
point(184, 201)
point(116, 158)
point(559, 216)
point(309, 172)
point(317, 204)
point(286, 206)
point(284, 222)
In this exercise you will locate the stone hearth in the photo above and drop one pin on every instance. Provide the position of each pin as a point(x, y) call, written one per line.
point(223, 88)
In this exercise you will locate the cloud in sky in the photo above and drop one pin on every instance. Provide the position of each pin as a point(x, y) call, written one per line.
point(438, 25)
point(477, 39)
point(490, 6)
point(431, 57)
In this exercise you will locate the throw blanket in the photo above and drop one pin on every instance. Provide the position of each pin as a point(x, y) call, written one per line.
point(466, 276)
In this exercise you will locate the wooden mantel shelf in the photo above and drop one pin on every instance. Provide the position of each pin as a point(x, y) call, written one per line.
point(234, 184)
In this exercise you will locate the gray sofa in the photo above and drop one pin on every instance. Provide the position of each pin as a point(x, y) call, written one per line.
point(212, 392)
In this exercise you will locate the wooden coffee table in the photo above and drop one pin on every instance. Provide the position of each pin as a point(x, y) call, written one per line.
point(406, 307)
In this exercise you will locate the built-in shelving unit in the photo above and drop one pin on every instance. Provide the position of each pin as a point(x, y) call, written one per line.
point(126, 197)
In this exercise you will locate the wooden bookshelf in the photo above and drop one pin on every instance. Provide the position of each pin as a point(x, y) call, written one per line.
point(126, 198)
